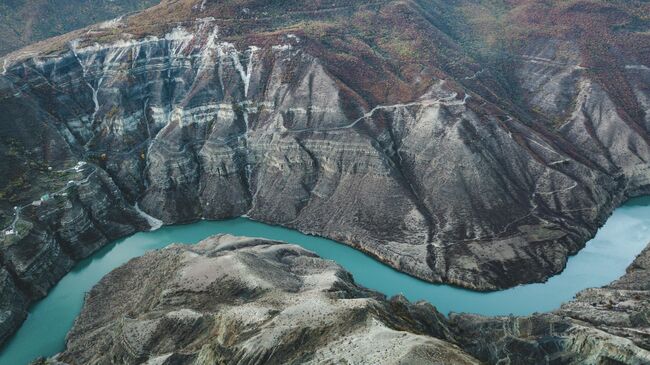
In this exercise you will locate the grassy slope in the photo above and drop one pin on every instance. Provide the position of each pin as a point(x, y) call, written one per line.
point(606, 32)
point(26, 21)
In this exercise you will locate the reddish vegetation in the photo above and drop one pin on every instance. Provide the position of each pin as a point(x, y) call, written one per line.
point(384, 51)
point(604, 30)
point(388, 51)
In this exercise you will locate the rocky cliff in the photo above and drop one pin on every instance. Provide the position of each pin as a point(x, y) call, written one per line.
point(379, 124)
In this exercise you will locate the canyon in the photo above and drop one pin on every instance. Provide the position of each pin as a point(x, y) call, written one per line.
point(406, 129)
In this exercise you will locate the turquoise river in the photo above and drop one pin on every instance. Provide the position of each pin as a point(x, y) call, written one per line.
point(604, 259)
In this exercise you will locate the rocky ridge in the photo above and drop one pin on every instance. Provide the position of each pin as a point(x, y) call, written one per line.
point(421, 157)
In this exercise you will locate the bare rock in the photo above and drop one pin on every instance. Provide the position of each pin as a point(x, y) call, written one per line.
point(242, 300)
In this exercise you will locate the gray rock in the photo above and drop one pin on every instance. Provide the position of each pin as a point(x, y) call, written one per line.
point(13, 304)
point(232, 300)
point(600, 326)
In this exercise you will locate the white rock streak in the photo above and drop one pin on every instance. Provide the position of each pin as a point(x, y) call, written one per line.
point(113, 23)
point(226, 49)
point(573, 186)
point(207, 53)
point(249, 69)
point(73, 48)
point(95, 97)
point(245, 74)
point(476, 74)
point(550, 62)
point(84, 72)
point(154, 223)
point(221, 56)
point(545, 147)
point(282, 47)
point(424, 103)
point(637, 67)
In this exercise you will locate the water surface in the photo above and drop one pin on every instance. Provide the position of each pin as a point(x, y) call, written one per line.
point(604, 259)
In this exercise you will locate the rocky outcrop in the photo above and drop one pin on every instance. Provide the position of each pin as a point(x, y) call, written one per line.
point(13, 304)
point(606, 325)
point(232, 300)
point(301, 114)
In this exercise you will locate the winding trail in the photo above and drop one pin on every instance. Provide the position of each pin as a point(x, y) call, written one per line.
point(79, 167)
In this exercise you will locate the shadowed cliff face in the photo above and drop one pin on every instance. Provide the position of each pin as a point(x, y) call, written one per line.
point(310, 117)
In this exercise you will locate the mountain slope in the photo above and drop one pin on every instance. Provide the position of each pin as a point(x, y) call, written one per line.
point(25, 22)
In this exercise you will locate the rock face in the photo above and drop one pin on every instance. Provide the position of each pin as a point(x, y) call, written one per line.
point(404, 143)
point(13, 304)
point(231, 300)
